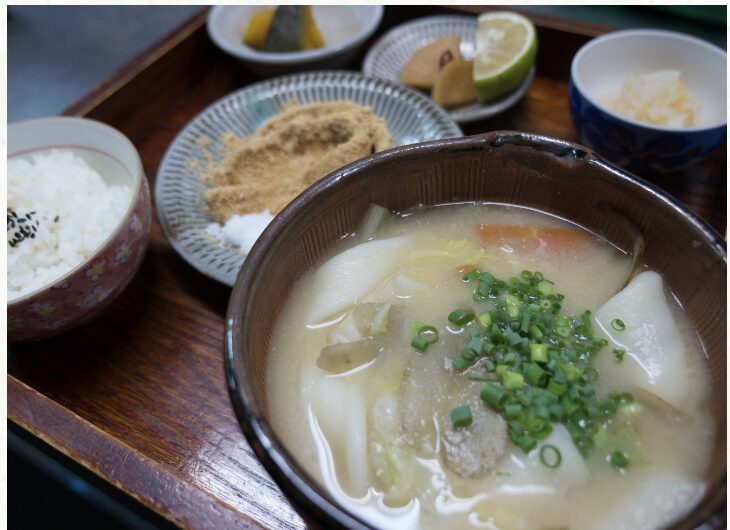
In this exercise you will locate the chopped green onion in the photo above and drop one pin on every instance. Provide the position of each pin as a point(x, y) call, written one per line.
point(476, 345)
point(555, 388)
point(460, 364)
point(550, 456)
point(485, 319)
point(539, 427)
point(461, 416)
point(544, 288)
point(541, 358)
point(618, 324)
point(461, 317)
point(501, 473)
point(619, 460)
point(619, 354)
point(535, 375)
point(525, 325)
point(570, 371)
point(626, 397)
point(513, 380)
point(425, 336)
point(538, 353)
point(468, 354)
point(483, 289)
point(513, 305)
point(494, 395)
point(526, 442)
point(513, 410)
point(419, 344)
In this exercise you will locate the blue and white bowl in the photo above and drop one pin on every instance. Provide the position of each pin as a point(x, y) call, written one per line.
point(602, 66)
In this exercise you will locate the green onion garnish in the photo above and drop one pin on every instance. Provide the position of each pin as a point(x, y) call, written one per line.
point(619, 460)
point(419, 344)
point(460, 364)
point(619, 355)
point(461, 416)
point(535, 375)
point(494, 395)
point(461, 317)
point(485, 319)
point(513, 380)
point(538, 353)
point(425, 336)
point(618, 324)
point(550, 456)
point(538, 362)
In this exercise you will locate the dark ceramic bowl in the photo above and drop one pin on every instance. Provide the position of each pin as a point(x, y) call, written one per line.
point(601, 67)
point(516, 168)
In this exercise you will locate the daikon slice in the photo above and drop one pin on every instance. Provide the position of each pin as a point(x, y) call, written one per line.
point(526, 474)
point(655, 351)
point(349, 276)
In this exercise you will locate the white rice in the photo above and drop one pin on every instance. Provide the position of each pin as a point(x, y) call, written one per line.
point(241, 230)
point(73, 211)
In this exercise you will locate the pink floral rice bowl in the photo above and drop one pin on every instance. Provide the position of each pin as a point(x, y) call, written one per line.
point(82, 293)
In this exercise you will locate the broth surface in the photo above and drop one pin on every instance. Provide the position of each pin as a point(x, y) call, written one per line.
point(374, 436)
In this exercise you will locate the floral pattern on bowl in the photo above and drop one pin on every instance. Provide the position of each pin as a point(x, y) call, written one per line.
point(89, 288)
point(84, 292)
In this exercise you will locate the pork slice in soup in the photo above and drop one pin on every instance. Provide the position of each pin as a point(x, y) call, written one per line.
point(491, 366)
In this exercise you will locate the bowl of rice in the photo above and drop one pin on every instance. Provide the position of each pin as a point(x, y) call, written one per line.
point(651, 101)
point(78, 221)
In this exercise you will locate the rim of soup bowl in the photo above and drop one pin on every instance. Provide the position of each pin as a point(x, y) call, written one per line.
point(312, 501)
point(655, 33)
point(136, 173)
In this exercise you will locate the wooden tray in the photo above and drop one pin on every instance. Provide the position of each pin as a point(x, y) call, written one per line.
point(138, 395)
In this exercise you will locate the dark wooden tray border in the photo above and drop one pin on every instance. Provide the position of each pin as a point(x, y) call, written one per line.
point(142, 80)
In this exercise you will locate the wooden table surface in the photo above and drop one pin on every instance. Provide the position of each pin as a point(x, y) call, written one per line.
point(138, 395)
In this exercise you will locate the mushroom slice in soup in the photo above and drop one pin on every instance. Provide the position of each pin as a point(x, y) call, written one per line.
point(369, 329)
point(476, 449)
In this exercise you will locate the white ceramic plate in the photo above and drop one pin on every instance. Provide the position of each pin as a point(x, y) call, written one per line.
point(390, 54)
point(179, 192)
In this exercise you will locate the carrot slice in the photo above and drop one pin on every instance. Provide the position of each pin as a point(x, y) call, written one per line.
point(533, 238)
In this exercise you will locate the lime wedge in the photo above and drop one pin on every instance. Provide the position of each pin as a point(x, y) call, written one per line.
point(506, 46)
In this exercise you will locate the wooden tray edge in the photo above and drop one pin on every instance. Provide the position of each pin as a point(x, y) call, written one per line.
point(120, 464)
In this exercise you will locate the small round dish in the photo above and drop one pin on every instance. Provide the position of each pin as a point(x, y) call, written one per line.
point(344, 29)
point(179, 191)
point(389, 55)
point(602, 66)
point(85, 291)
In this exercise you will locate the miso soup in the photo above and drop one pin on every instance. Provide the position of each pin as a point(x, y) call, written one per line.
point(491, 366)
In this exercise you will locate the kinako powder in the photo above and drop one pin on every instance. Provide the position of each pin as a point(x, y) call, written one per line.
point(288, 153)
